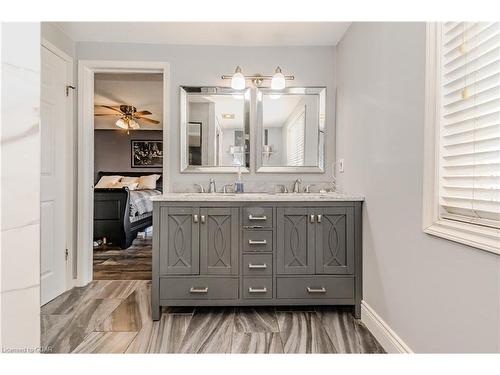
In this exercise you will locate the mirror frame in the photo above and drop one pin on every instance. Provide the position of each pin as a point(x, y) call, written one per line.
point(260, 168)
point(204, 90)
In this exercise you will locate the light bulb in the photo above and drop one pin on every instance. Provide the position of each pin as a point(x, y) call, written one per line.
point(278, 81)
point(274, 96)
point(121, 124)
point(238, 80)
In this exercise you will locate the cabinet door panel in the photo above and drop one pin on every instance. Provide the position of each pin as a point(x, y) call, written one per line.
point(179, 241)
point(335, 241)
point(295, 242)
point(219, 241)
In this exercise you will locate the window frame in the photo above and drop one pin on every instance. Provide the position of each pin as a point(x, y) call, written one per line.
point(477, 236)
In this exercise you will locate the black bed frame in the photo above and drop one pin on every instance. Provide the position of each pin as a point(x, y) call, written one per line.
point(111, 212)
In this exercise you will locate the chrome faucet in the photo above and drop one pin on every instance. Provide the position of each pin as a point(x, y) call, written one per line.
point(200, 186)
point(211, 186)
point(282, 188)
point(296, 185)
point(307, 189)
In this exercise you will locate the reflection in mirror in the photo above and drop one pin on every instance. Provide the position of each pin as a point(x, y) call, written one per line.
point(292, 130)
point(214, 129)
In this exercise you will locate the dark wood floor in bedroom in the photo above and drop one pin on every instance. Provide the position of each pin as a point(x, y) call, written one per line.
point(134, 263)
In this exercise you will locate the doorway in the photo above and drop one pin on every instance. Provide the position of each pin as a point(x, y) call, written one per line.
point(113, 250)
point(128, 165)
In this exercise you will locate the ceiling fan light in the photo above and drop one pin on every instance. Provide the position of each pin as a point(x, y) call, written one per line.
point(278, 80)
point(121, 124)
point(134, 125)
point(238, 80)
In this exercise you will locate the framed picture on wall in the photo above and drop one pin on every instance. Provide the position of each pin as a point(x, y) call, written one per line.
point(146, 154)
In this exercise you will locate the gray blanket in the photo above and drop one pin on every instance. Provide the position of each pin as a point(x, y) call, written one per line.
point(140, 201)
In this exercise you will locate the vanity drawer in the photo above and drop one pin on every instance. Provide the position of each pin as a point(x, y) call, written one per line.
point(258, 240)
point(260, 217)
point(257, 287)
point(195, 288)
point(257, 264)
point(315, 287)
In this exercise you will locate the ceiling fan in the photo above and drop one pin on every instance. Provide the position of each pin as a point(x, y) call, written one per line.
point(128, 116)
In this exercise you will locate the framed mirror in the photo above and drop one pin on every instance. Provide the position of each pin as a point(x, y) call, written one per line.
point(215, 129)
point(291, 127)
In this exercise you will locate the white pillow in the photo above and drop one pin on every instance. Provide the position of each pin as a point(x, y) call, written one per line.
point(129, 180)
point(107, 182)
point(148, 182)
point(121, 184)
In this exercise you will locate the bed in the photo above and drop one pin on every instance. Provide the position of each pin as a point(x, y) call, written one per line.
point(119, 214)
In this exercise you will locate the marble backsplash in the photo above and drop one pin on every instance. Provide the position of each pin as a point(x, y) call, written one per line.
point(20, 187)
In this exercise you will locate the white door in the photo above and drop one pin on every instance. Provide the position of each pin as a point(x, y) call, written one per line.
point(52, 197)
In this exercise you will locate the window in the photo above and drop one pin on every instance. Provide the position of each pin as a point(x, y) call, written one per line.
point(295, 139)
point(462, 176)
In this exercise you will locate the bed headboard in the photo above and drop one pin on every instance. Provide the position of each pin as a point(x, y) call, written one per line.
point(159, 182)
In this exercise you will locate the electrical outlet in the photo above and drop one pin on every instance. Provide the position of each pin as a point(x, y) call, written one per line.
point(341, 165)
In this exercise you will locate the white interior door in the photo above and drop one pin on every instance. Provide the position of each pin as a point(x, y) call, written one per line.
point(52, 210)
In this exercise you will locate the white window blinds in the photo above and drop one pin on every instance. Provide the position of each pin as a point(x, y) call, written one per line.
point(469, 188)
point(295, 140)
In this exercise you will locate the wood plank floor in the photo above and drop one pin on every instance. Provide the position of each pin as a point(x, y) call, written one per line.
point(134, 263)
point(114, 316)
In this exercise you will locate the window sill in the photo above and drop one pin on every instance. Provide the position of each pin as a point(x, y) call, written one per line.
point(483, 238)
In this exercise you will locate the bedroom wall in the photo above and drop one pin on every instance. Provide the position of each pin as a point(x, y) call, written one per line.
point(437, 295)
point(203, 65)
point(112, 150)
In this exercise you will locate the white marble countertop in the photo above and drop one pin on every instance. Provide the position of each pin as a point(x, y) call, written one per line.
point(255, 197)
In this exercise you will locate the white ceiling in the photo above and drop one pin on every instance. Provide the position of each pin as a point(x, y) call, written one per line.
point(208, 33)
point(142, 90)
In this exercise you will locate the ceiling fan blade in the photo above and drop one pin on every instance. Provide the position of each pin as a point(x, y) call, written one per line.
point(113, 108)
point(108, 114)
point(142, 113)
point(148, 120)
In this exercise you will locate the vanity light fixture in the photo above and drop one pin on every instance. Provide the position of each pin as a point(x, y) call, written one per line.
point(228, 116)
point(278, 80)
point(238, 79)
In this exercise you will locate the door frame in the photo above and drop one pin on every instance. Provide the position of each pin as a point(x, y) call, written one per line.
point(86, 71)
point(69, 206)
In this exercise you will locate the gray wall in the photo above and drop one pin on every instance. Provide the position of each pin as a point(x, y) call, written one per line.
point(437, 295)
point(203, 65)
point(112, 149)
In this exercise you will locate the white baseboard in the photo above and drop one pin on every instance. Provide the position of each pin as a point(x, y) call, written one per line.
point(389, 340)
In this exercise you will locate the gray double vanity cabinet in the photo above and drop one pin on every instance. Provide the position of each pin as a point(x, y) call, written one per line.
point(256, 250)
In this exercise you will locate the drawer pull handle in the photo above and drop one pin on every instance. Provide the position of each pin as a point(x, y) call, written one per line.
point(257, 242)
point(312, 219)
point(251, 217)
point(320, 217)
point(195, 218)
point(257, 290)
point(257, 266)
point(203, 219)
point(198, 290)
point(315, 290)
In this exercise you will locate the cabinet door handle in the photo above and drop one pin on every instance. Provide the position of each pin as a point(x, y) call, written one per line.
point(320, 217)
point(198, 290)
point(195, 218)
point(251, 217)
point(311, 219)
point(316, 290)
point(257, 290)
point(257, 266)
point(203, 219)
point(257, 242)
